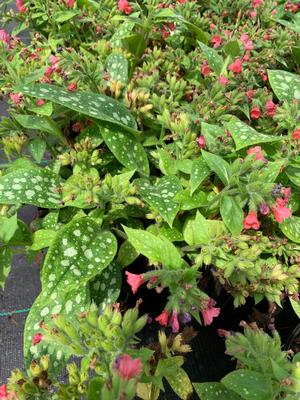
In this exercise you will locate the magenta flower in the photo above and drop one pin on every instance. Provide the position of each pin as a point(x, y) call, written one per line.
point(201, 141)
point(174, 321)
point(3, 392)
point(4, 36)
point(128, 367)
point(37, 338)
point(134, 280)
point(210, 313)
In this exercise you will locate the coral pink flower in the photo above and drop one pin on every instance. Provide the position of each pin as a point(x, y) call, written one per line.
point(201, 141)
point(53, 59)
point(4, 36)
point(216, 40)
point(49, 71)
point(174, 321)
point(246, 58)
point(270, 108)
point(296, 134)
point(281, 212)
point(236, 67)
point(123, 5)
point(16, 98)
point(72, 87)
point(37, 338)
point(3, 392)
point(256, 3)
point(250, 93)
point(251, 221)
point(252, 14)
point(255, 113)
point(128, 367)
point(134, 280)
point(257, 151)
point(20, 6)
point(223, 81)
point(163, 318)
point(287, 194)
point(69, 3)
point(210, 313)
point(40, 102)
point(205, 69)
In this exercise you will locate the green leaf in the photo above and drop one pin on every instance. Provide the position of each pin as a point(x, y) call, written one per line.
point(124, 30)
point(296, 54)
point(232, 214)
point(79, 252)
point(127, 254)
point(181, 384)
point(106, 287)
point(161, 196)
point(50, 221)
point(196, 230)
point(8, 227)
point(43, 124)
point(42, 238)
point(200, 171)
point(285, 85)
point(244, 136)
point(46, 109)
point(167, 164)
point(271, 171)
point(5, 263)
point(173, 234)
point(126, 148)
point(117, 68)
point(293, 173)
point(34, 186)
point(98, 106)
point(188, 201)
point(218, 165)
point(63, 16)
point(248, 384)
point(291, 228)
point(95, 388)
point(232, 49)
point(37, 148)
point(214, 391)
point(213, 58)
point(156, 249)
point(211, 134)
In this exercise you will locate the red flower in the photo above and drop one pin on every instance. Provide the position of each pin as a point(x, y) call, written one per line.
point(201, 142)
point(174, 321)
point(223, 81)
point(257, 151)
point(295, 8)
point(256, 3)
point(210, 313)
point(72, 87)
point(4, 36)
point(252, 14)
point(236, 67)
point(123, 5)
point(37, 338)
point(255, 113)
point(270, 108)
point(129, 368)
point(20, 6)
point(16, 98)
point(250, 93)
point(246, 58)
point(134, 280)
point(251, 221)
point(296, 134)
point(69, 3)
point(205, 69)
point(49, 71)
point(3, 392)
point(216, 40)
point(163, 318)
point(281, 212)
point(40, 102)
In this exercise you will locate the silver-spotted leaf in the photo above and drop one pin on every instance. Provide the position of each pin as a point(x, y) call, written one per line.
point(33, 186)
point(246, 383)
point(37, 148)
point(92, 104)
point(285, 85)
point(232, 214)
point(161, 196)
point(291, 228)
point(126, 148)
point(181, 384)
point(79, 252)
point(42, 239)
point(200, 171)
point(124, 30)
point(213, 58)
point(127, 254)
point(244, 136)
point(117, 68)
point(214, 391)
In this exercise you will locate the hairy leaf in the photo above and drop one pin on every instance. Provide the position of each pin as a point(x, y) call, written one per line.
point(285, 85)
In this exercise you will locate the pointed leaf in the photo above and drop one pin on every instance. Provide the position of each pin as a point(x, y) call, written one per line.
point(5, 264)
point(105, 288)
point(160, 197)
point(117, 68)
point(213, 58)
point(247, 383)
point(214, 391)
point(293, 172)
point(37, 148)
point(42, 239)
point(218, 165)
point(63, 16)
point(8, 227)
point(232, 214)
point(291, 228)
point(31, 186)
point(196, 230)
point(181, 384)
point(200, 171)
point(188, 201)
point(244, 136)
point(296, 306)
point(127, 254)
point(285, 85)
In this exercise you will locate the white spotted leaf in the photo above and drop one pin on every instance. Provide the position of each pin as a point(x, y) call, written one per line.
point(213, 58)
point(79, 252)
point(126, 148)
point(95, 105)
point(37, 148)
point(181, 384)
point(117, 68)
point(156, 249)
point(124, 30)
point(127, 254)
point(200, 171)
point(160, 197)
point(232, 214)
point(291, 228)
point(106, 287)
point(246, 383)
point(214, 391)
point(285, 85)
point(244, 136)
point(42, 239)
point(33, 186)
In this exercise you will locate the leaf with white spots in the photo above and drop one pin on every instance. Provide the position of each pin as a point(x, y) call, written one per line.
point(161, 196)
point(285, 85)
point(244, 136)
point(127, 254)
point(106, 287)
point(248, 384)
point(79, 252)
point(117, 68)
point(200, 171)
point(37, 148)
point(181, 384)
point(42, 238)
point(124, 30)
point(5, 263)
point(33, 186)
point(156, 249)
point(126, 148)
point(214, 391)
point(95, 105)
point(232, 214)
point(213, 58)
point(291, 228)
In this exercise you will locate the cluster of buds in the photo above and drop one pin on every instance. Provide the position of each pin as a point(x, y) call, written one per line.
point(14, 143)
point(116, 189)
point(138, 101)
point(83, 153)
point(85, 188)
